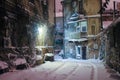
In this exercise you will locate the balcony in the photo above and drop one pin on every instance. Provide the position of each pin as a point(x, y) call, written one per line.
point(75, 35)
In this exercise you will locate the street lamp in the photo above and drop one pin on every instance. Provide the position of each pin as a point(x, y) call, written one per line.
point(40, 30)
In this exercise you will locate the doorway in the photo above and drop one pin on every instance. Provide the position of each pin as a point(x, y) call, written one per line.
point(81, 52)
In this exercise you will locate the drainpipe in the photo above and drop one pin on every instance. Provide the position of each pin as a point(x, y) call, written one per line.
point(54, 25)
point(101, 25)
point(63, 35)
point(101, 14)
point(62, 2)
point(114, 10)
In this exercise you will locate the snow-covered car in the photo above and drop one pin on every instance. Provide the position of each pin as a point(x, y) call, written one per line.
point(3, 67)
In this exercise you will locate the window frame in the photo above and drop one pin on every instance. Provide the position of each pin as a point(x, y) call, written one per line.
point(83, 26)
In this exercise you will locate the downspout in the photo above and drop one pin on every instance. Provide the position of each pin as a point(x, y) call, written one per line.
point(63, 29)
point(54, 25)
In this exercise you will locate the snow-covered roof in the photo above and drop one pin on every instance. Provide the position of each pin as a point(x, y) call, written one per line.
point(78, 40)
point(74, 17)
point(91, 36)
point(39, 47)
point(19, 61)
point(106, 24)
point(98, 15)
point(76, 21)
point(3, 65)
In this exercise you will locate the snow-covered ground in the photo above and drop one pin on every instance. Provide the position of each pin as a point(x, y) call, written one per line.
point(59, 58)
point(63, 69)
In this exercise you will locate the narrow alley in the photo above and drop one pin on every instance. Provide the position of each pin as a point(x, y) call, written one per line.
point(64, 70)
point(59, 39)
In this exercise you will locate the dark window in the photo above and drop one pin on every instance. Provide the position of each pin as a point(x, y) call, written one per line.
point(93, 30)
point(44, 4)
point(84, 29)
point(32, 1)
point(81, 6)
point(78, 29)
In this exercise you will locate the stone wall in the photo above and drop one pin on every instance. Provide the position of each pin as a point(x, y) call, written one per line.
point(113, 50)
point(19, 24)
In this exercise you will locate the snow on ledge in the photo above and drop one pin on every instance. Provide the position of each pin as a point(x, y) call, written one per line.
point(79, 40)
point(3, 65)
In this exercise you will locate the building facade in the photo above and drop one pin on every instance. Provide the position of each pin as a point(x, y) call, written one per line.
point(20, 21)
point(82, 24)
point(109, 38)
point(94, 26)
point(59, 29)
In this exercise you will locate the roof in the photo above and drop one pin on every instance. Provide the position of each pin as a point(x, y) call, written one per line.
point(106, 24)
point(114, 23)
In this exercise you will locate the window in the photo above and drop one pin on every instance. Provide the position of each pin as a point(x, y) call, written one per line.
point(84, 26)
point(81, 6)
point(44, 4)
point(32, 1)
point(84, 29)
point(78, 29)
point(93, 29)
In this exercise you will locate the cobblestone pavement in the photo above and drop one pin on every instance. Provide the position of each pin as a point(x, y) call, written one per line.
point(63, 70)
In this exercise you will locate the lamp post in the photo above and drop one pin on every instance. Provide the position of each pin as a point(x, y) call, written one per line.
point(103, 6)
point(114, 10)
point(62, 2)
point(101, 11)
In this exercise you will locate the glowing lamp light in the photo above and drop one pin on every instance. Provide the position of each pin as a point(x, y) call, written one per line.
point(40, 30)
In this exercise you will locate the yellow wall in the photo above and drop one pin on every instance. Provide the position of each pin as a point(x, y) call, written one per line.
point(91, 7)
point(93, 26)
point(51, 12)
